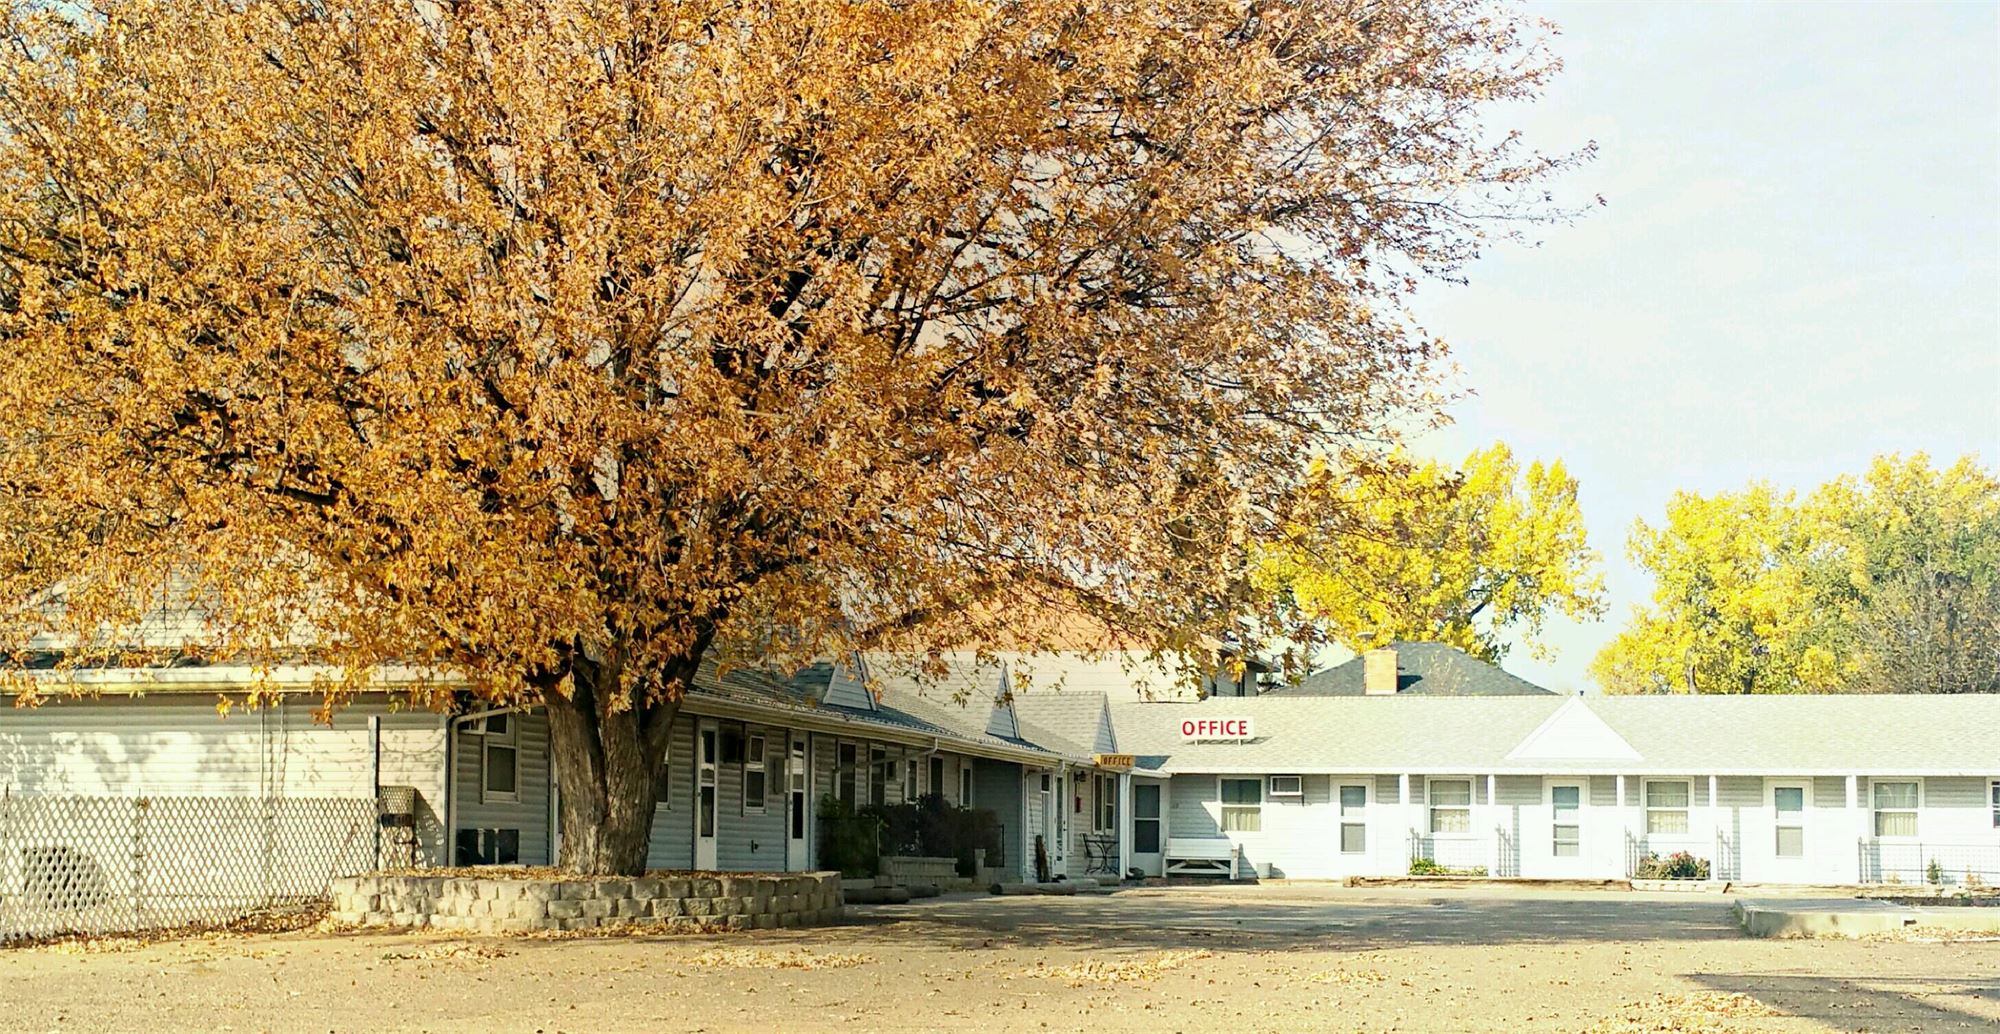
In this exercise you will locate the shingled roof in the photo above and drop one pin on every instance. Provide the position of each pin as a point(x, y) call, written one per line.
point(1422, 669)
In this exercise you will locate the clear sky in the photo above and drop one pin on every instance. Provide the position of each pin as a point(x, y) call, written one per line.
point(1798, 265)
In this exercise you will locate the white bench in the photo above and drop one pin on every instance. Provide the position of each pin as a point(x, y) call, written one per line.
point(1207, 855)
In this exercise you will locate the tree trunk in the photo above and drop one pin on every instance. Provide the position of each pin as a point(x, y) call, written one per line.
point(607, 744)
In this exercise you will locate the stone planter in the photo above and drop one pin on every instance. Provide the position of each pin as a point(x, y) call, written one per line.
point(511, 903)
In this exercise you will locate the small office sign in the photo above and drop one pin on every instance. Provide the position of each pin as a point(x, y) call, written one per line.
point(1200, 730)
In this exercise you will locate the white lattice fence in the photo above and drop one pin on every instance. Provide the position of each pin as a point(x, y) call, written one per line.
point(104, 864)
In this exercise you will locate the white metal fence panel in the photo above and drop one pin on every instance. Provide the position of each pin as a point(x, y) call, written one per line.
point(94, 865)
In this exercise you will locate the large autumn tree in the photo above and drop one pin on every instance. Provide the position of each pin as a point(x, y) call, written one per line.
point(1399, 548)
point(1886, 582)
point(556, 344)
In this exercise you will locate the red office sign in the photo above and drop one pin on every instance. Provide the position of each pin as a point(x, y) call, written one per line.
point(1194, 730)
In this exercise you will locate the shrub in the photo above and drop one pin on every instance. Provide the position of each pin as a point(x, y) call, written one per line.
point(1934, 874)
point(1677, 866)
point(1428, 867)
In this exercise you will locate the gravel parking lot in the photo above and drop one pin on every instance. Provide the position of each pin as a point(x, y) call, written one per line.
point(1267, 958)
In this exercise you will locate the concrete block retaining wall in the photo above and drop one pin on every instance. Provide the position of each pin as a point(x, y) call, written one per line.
point(517, 904)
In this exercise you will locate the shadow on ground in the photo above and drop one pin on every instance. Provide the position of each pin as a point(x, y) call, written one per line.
point(1201, 919)
point(1861, 1002)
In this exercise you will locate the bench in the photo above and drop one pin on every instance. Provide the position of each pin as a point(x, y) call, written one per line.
point(1206, 855)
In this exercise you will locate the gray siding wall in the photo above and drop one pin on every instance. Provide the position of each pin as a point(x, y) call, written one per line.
point(1957, 793)
point(530, 812)
point(1519, 790)
point(672, 842)
point(1740, 791)
point(749, 841)
point(1604, 791)
point(1829, 792)
point(1193, 806)
point(1388, 789)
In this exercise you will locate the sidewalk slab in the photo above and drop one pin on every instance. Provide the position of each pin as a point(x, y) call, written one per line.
point(1856, 917)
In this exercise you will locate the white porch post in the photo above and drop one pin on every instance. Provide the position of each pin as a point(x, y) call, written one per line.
point(1857, 820)
point(1493, 818)
point(1623, 824)
point(1715, 828)
point(1409, 818)
point(1122, 828)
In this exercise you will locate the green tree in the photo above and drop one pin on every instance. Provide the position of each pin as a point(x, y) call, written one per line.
point(1418, 550)
point(1886, 582)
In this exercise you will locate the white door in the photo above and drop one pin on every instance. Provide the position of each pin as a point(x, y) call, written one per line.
point(1788, 805)
point(1351, 841)
point(704, 799)
point(1566, 851)
point(798, 797)
point(1148, 828)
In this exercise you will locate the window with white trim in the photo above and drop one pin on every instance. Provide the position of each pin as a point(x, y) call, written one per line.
point(1242, 805)
point(965, 784)
point(910, 781)
point(1450, 805)
point(500, 760)
point(755, 778)
point(936, 785)
point(1666, 806)
point(1288, 786)
point(1566, 804)
point(1895, 809)
point(881, 771)
point(1788, 817)
point(1996, 804)
point(847, 774)
point(1107, 803)
point(1353, 819)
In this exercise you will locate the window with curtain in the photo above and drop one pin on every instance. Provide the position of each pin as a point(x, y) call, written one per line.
point(1895, 809)
point(1242, 805)
point(1667, 807)
point(1450, 805)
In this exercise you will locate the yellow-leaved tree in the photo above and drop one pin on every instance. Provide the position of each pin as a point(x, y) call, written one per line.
point(1373, 552)
point(1888, 582)
point(558, 345)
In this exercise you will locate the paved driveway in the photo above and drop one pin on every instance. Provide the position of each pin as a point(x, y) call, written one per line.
point(1278, 958)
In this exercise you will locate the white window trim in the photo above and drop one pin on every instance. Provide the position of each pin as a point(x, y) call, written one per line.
point(1223, 808)
point(1299, 784)
point(913, 788)
point(964, 784)
point(755, 761)
point(1105, 815)
point(511, 740)
point(1916, 813)
point(1431, 807)
point(1646, 806)
point(1994, 792)
point(1804, 787)
point(1343, 820)
point(1582, 789)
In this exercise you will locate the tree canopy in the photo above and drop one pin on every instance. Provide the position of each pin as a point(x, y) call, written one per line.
point(560, 344)
point(1401, 549)
point(1888, 582)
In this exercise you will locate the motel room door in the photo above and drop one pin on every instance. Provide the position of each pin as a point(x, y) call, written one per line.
point(705, 797)
point(1788, 803)
point(1564, 845)
point(798, 797)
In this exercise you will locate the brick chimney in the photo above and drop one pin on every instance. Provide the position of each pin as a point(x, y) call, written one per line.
point(1378, 671)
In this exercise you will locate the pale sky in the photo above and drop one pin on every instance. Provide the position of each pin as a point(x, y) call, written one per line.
point(1798, 265)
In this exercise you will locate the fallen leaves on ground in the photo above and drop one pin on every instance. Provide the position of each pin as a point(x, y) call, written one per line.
point(1100, 971)
point(1349, 976)
point(450, 950)
point(764, 958)
point(1707, 1011)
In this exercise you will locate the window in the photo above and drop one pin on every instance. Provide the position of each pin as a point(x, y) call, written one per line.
point(1790, 804)
point(880, 772)
point(1667, 807)
point(1242, 805)
point(754, 777)
point(1567, 804)
point(795, 778)
point(847, 772)
point(1288, 786)
point(1146, 817)
point(937, 776)
point(1451, 806)
point(1996, 804)
point(663, 781)
point(910, 781)
point(732, 744)
point(965, 785)
point(1353, 819)
point(1895, 809)
point(1107, 803)
point(705, 800)
point(499, 760)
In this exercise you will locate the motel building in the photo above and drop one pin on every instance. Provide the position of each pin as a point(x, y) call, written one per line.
point(1766, 789)
point(1413, 754)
